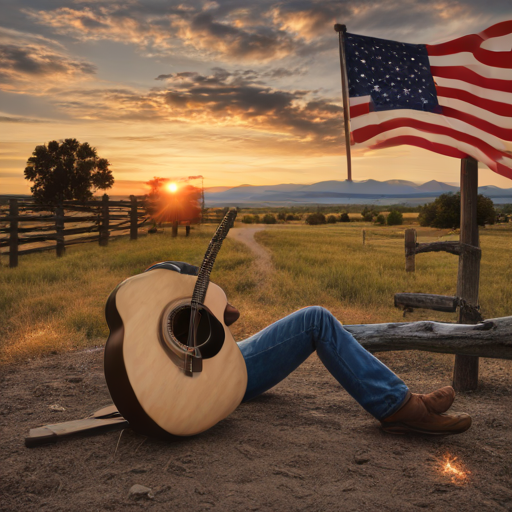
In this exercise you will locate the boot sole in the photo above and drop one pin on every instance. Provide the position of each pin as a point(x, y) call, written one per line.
point(402, 428)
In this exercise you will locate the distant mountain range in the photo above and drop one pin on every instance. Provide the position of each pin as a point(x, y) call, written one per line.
point(342, 192)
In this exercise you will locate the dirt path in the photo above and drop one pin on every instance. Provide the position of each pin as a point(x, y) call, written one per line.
point(263, 258)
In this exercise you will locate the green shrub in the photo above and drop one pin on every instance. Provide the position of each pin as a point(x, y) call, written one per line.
point(381, 219)
point(331, 219)
point(344, 217)
point(290, 216)
point(269, 219)
point(395, 218)
point(368, 214)
point(444, 212)
point(248, 219)
point(313, 219)
point(256, 219)
point(281, 216)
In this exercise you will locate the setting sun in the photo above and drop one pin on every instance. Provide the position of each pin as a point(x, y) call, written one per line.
point(172, 187)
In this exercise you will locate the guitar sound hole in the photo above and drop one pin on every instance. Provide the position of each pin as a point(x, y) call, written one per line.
point(180, 322)
point(210, 332)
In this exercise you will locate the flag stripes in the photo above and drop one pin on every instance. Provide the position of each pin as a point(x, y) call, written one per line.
point(474, 117)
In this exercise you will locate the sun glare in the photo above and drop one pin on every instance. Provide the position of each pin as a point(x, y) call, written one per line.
point(172, 187)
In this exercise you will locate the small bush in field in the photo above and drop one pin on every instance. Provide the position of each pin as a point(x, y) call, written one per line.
point(331, 219)
point(256, 219)
point(269, 219)
point(380, 219)
point(344, 217)
point(248, 219)
point(281, 216)
point(395, 218)
point(290, 216)
point(313, 219)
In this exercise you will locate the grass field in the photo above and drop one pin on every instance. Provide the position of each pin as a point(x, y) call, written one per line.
point(52, 305)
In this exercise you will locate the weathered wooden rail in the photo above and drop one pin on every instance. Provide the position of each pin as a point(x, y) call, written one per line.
point(490, 338)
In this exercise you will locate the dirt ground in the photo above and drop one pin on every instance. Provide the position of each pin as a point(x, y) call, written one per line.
point(306, 445)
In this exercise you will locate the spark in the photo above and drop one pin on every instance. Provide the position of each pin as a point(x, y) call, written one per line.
point(455, 470)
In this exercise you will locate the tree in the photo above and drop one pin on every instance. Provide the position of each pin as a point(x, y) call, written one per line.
point(344, 217)
point(314, 219)
point(444, 212)
point(269, 219)
point(395, 218)
point(368, 214)
point(380, 219)
point(63, 171)
point(331, 219)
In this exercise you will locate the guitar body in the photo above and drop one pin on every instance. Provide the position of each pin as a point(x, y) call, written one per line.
point(142, 370)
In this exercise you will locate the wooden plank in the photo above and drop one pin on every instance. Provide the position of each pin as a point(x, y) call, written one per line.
point(451, 247)
point(13, 236)
point(465, 371)
point(133, 218)
point(59, 228)
point(445, 303)
point(491, 338)
point(105, 221)
point(410, 250)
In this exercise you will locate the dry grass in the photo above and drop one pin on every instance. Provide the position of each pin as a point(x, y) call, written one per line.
point(52, 305)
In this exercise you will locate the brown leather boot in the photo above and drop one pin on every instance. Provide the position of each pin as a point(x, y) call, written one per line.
point(424, 414)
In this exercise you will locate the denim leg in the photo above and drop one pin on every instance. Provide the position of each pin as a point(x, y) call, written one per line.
point(276, 351)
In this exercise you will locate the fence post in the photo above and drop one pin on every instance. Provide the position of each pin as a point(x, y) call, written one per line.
point(187, 230)
point(410, 250)
point(133, 219)
point(13, 233)
point(103, 238)
point(364, 236)
point(175, 228)
point(465, 371)
point(59, 228)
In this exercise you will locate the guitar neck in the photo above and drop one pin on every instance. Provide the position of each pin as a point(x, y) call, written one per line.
point(203, 278)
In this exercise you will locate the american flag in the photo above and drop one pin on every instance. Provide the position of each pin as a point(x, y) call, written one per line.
point(453, 98)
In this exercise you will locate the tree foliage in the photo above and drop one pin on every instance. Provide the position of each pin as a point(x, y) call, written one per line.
point(395, 218)
point(444, 212)
point(380, 219)
point(63, 171)
point(314, 219)
point(344, 217)
point(331, 219)
point(368, 214)
point(269, 219)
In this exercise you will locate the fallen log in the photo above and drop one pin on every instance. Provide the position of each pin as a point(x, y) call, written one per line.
point(491, 338)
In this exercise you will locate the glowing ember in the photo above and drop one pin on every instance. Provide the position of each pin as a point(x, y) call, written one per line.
point(172, 187)
point(455, 470)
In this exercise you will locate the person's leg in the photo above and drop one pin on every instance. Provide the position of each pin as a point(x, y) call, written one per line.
point(275, 352)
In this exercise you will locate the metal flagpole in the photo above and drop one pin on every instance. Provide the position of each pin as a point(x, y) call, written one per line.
point(342, 29)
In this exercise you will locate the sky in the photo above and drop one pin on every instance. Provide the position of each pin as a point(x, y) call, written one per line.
point(238, 92)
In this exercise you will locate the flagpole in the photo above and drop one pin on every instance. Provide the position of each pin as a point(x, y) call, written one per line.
point(342, 29)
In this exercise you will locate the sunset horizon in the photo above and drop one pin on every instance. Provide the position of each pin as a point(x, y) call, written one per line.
point(237, 94)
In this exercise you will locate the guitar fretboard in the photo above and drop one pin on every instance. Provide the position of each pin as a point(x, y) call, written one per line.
point(203, 278)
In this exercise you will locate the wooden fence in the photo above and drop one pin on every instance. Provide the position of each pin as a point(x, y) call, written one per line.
point(42, 228)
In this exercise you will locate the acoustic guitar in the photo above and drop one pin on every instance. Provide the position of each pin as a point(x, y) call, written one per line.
point(171, 364)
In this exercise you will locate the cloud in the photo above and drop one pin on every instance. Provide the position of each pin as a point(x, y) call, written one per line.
point(238, 99)
point(9, 119)
point(35, 64)
point(263, 31)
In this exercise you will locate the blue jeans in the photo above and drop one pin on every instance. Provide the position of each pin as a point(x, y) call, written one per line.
point(273, 353)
